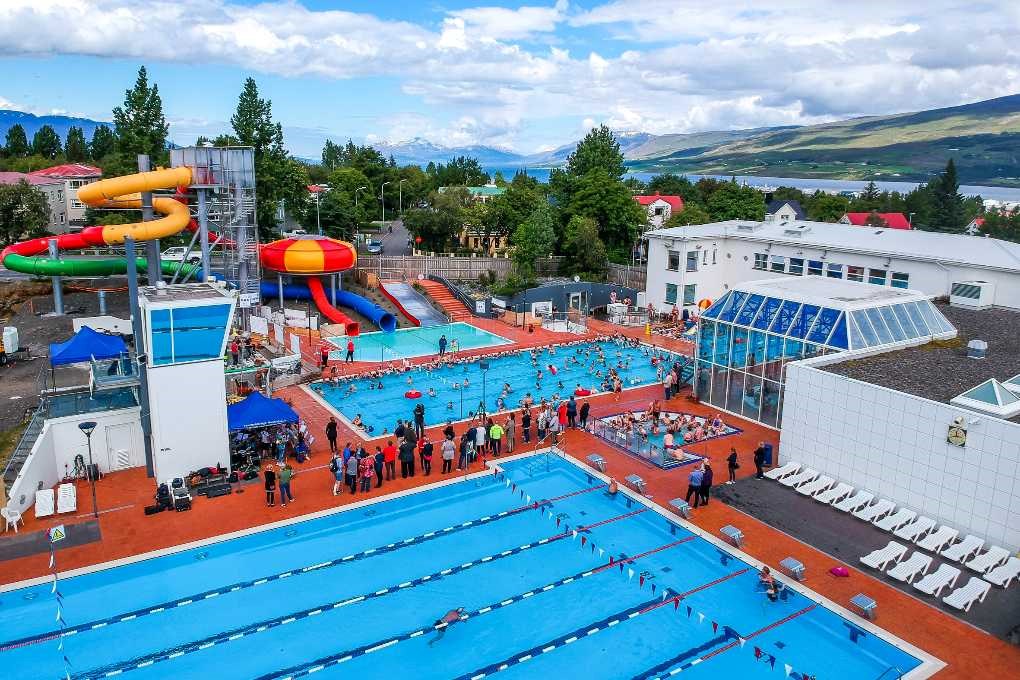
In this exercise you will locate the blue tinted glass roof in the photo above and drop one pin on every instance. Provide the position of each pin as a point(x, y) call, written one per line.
point(839, 335)
point(750, 308)
point(785, 317)
point(823, 325)
point(802, 324)
point(767, 313)
point(713, 311)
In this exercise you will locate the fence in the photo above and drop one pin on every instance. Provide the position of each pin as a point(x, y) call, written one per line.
point(627, 276)
point(453, 268)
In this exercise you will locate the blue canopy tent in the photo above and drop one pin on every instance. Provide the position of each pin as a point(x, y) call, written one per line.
point(86, 345)
point(257, 410)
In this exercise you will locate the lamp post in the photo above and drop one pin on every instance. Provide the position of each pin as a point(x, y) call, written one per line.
point(318, 224)
point(484, 365)
point(88, 427)
point(383, 200)
point(400, 193)
point(356, 192)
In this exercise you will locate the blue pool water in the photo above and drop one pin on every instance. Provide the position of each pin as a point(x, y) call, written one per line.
point(408, 343)
point(356, 595)
point(380, 409)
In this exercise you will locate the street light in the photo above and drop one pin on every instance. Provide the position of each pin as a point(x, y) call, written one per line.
point(484, 365)
point(383, 197)
point(88, 427)
point(356, 195)
point(318, 224)
point(400, 201)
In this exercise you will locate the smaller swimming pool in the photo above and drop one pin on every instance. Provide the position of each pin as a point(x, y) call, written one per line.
point(409, 343)
point(638, 439)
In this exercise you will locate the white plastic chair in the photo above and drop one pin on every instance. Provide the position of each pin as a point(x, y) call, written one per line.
point(796, 480)
point(900, 518)
point(880, 559)
point(973, 591)
point(916, 529)
point(943, 577)
point(968, 547)
point(1004, 574)
point(817, 486)
point(938, 539)
point(780, 472)
point(910, 568)
point(44, 503)
point(11, 519)
point(876, 511)
point(988, 560)
point(67, 498)
point(854, 503)
point(835, 494)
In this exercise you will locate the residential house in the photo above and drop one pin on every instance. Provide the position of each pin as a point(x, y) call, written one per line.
point(73, 175)
point(54, 191)
point(892, 220)
point(784, 211)
point(660, 208)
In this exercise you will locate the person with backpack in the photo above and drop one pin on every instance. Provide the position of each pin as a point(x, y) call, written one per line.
point(331, 432)
point(336, 466)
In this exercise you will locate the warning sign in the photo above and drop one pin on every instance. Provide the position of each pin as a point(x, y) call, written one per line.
point(57, 533)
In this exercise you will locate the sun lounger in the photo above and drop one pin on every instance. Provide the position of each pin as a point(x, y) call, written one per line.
point(67, 498)
point(44, 503)
point(793, 481)
point(1004, 574)
point(973, 591)
point(898, 519)
point(876, 511)
point(784, 471)
point(987, 561)
point(817, 486)
point(835, 494)
point(937, 540)
point(916, 529)
point(910, 568)
point(855, 502)
point(934, 583)
point(964, 550)
point(880, 559)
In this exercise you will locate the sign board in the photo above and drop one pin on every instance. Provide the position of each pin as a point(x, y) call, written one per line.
point(246, 300)
point(259, 325)
point(479, 306)
point(278, 334)
point(496, 302)
point(541, 308)
point(57, 533)
point(295, 344)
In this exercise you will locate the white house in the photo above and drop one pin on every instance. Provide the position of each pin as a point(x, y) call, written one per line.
point(701, 262)
point(660, 208)
point(784, 211)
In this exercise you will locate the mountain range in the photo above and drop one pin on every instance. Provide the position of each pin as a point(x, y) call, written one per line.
point(983, 138)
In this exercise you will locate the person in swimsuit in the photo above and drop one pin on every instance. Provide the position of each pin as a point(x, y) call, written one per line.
point(445, 621)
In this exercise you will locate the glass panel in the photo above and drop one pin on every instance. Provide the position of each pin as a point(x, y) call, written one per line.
point(800, 327)
point(944, 325)
point(760, 260)
point(713, 311)
point(797, 265)
point(823, 325)
point(751, 401)
point(162, 345)
point(929, 318)
point(794, 348)
point(856, 339)
point(735, 392)
point(814, 268)
point(722, 343)
point(746, 315)
point(690, 293)
point(894, 326)
point(671, 293)
point(884, 336)
point(738, 353)
point(756, 352)
point(773, 356)
point(915, 316)
point(673, 260)
point(767, 313)
point(778, 263)
point(199, 332)
point(692, 261)
point(838, 337)
point(900, 280)
point(905, 323)
point(785, 317)
point(706, 335)
point(877, 276)
point(855, 273)
point(870, 337)
point(834, 270)
point(736, 301)
point(770, 404)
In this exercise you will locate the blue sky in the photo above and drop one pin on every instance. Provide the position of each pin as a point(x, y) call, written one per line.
point(521, 76)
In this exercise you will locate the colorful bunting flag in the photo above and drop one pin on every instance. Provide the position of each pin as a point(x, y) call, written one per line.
point(701, 617)
point(787, 667)
point(676, 603)
point(689, 611)
point(630, 574)
point(584, 539)
point(641, 581)
point(757, 652)
point(715, 627)
point(772, 661)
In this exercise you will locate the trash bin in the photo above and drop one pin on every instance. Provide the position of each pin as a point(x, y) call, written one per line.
point(768, 455)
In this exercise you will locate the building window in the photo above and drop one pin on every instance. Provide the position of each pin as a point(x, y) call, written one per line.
point(659, 211)
point(761, 260)
point(797, 266)
point(855, 273)
point(690, 294)
point(877, 276)
point(900, 280)
point(673, 260)
point(778, 263)
point(814, 268)
point(713, 256)
point(834, 270)
point(671, 293)
point(692, 261)
point(704, 257)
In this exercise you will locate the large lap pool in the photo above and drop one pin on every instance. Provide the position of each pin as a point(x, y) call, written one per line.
point(380, 408)
point(409, 343)
point(586, 585)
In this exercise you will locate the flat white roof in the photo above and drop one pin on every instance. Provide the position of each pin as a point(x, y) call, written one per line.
point(975, 251)
point(833, 293)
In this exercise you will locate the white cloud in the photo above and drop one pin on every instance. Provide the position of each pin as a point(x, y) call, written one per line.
point(500, 23)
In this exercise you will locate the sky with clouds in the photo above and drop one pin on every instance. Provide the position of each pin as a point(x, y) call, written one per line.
point(526, 77)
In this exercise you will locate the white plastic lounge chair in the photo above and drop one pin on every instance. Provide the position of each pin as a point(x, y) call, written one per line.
point(898, 519)
point(817, 486)
point(880, 559)
point(67, 498)
point(784, 471)
point(876, 511)
point(1004, 574)
point(11, 518)
point(835, 494)
point(910, 568)
point(987, 561)
point(973, 591)
point(934, 583)
point(938, 539)
point(44, 503)
point(964, 550)
point(855, 502)
point(916, 529)
point(793, 481)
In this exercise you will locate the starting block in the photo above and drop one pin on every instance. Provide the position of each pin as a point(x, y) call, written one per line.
point(793, 568)
point(636, 482)
point(681, 506)
point(733, 535)
point(597, 462)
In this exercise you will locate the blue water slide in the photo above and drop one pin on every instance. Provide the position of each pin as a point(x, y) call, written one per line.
point(368, 309)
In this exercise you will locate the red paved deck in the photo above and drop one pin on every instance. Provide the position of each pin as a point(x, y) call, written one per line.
point(453, 307)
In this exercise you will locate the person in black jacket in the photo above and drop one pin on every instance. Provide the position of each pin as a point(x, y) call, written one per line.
point(406, 456)
point(331, 433)
point(732, 465)
point(759, 461)
point(585, 410)
point(419, 419)
point(706, 481)
point(270, 477)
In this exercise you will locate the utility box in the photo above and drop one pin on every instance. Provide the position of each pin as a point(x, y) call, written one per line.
point(972, 294)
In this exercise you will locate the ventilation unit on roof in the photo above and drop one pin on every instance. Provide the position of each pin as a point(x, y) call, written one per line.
point(796, 231)
point(748, 227)
point(972, 294)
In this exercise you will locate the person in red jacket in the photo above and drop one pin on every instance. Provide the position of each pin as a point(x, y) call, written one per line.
point(350, 351)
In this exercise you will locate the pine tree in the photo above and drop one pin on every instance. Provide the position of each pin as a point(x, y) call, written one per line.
point(598, 149)
point(46, 142)
point(947, 202)
point(331, 155)
point(104, 142)
point(253, 122)
point(75, 147)
point(17, 142)
point(140, 124)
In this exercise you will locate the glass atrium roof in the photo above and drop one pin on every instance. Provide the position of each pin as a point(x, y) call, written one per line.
point(883, 320)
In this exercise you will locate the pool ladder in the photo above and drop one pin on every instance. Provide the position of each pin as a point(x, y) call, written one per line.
point(541, 464)
point(885, 674)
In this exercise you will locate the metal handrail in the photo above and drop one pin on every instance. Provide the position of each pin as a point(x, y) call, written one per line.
point(31, 432)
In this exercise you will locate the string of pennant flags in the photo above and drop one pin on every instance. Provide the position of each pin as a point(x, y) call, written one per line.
point(624, 567)
point(54, 536)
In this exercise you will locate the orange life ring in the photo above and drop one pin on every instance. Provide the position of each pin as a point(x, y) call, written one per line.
point(412, 394)
point(581, 392)
point(704, 304)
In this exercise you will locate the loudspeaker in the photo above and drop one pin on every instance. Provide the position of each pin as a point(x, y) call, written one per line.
point(93, 473)
point(153, 509)
point(182, 504)
point(216, 490)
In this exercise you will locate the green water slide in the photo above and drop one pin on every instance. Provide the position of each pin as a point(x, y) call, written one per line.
point(41, 266)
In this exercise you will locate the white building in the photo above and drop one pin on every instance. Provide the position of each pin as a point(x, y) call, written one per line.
point(694, 263)
point(659, 208)
point(54, 191)
point(73, 175)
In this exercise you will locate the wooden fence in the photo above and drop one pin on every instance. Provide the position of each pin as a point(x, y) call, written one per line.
point(626, 275)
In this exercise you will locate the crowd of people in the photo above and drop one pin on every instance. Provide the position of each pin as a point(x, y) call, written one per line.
point(676, 428)
point(675, 325)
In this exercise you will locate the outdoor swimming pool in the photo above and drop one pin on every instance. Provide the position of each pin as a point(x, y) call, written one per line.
point(380, 409)
point(648, 446)
point(574, 588)
point(408, 343)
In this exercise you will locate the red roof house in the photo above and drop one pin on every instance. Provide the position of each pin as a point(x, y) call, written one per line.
point(69, 171)
point(893, 220)
point(660, 208)
point(676, 203)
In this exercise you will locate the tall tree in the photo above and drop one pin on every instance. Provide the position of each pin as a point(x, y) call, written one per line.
point(598, 150)
point(693, 213)
point(46, 142)
point(947, 202)
point(608, 201)
point(140, 124)
point(531, 241)
point(826, 207)
point(331, 155)
point(584, 250)
point(75, 148)
point(104, 142)
point(670, 184)
point(440, 222)
point(733, 201)
point(253, 122)
point(24, 211)
point(17, 142)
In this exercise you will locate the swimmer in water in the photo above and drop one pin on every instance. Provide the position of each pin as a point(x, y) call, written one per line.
point(445, 621)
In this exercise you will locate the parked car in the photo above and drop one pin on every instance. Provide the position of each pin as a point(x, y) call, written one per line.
point(374, 247)
point(176, 254)
point(294, 233)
